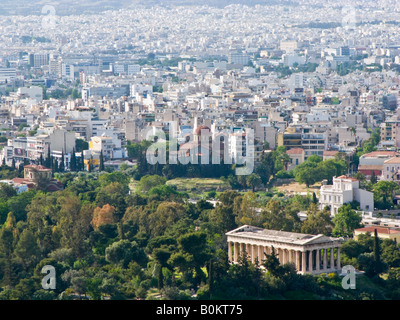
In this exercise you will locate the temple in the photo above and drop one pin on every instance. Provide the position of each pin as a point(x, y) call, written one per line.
point(312, 254)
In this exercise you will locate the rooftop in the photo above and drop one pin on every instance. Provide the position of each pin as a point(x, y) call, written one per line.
point(394, 160)
point(344, 177)
point(247, 231)
point(377, 154)
point(295, 151)
point(380, 230)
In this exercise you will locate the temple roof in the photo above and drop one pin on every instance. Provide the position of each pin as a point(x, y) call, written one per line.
point(280, 236)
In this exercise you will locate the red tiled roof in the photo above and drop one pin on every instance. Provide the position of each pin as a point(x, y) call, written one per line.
point(393, 160)
point(370, 167)
point(379, 230)
point(380, 153)
point(295, 151)
point(346, 177)
point(330, 153)
point(37, 167)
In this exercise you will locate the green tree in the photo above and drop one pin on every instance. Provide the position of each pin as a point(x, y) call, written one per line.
point(253, 181)
point(150, 181)
point(74, 223)
point(384, 191)
point(124, 251)
point(27, 249)
point(379, 266)
point(317, 222)
point(161, 256)
point(346, 220)
point(277, 216)
point(101, 165)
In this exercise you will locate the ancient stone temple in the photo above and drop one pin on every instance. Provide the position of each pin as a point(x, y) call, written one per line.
point(311, 254)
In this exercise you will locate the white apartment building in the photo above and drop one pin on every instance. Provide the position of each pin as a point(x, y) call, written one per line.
point(345, 190)
point(102, 144)
point(391, 170)
point(7, 74)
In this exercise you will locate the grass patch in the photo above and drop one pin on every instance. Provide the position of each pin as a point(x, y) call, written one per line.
point(199, 184)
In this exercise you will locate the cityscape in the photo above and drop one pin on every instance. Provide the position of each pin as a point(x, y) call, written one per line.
point(200, 151)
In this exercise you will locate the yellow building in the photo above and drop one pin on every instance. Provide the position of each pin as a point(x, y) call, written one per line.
point(383, 232)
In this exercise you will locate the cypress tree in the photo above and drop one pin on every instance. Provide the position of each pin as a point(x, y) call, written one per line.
point(72, 165)
point(62, 164)
point(314, 200)
point(90, 164)
point(373, 179)
point(82, 163)
point(101, 161)
point(377, 254)
point(49, 160)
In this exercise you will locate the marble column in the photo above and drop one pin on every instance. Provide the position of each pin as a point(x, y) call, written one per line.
point(236, 252)
point(248, 251)
point(310, 260)
point(242, 249)
point(290, 257)
point(325, 260)
point(254, 249)
point(230, 251)
point(303, 262)
point(317, 261)
point(338, 259)
point(278, 253)
point(298, 267)
point(260, 254)
point(332, 259)
point(293, 256)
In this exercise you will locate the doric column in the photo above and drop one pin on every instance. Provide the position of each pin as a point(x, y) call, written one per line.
point(317, 261)
point(255, 253)
point(242, 249)
point(278, 253)
point(297, 260)
point(236, 252)
point(265, 251)
point(325, 260)
point(338, 259)
point(248, 251)
point(310, 260)
point(281, 253)
point(260, 254)
point(303, 262)
point(230, 251)
point(289, 256)
point(332, 258)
